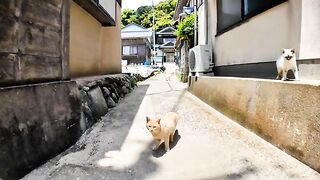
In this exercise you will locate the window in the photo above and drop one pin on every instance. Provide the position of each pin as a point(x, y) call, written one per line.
point(229, 13)
point(253, 7)
point(133, 50)
point(233, 12)
point(165, 40)
point(130, 50)
point(126, 50)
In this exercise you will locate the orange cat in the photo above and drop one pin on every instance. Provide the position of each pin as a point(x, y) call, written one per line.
point(163, 129)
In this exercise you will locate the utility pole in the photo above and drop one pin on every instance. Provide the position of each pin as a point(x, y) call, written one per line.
point(154, 32)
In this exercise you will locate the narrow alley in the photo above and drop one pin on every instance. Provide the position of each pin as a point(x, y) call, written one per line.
point(207, 145)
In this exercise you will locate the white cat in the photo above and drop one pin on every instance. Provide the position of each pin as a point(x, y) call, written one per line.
point(287, 61)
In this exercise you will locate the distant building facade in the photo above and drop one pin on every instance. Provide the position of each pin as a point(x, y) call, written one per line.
point(136, 44)
point(165, 42)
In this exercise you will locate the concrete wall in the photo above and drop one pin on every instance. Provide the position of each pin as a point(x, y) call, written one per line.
point(111, 46)
point(85, 33)
point(284, 113)
point(33, 41)
point(94, 50)
point(40, 114)
point(36, 123)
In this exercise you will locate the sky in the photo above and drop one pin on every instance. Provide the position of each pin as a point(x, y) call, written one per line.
point(134, 4)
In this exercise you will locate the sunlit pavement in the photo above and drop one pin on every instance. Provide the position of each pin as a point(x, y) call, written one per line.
point(207, 145)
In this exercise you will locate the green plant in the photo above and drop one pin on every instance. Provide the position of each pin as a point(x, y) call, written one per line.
point(143, 16)
point(185, 29)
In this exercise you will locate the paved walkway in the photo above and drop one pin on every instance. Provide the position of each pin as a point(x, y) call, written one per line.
point(207, 145)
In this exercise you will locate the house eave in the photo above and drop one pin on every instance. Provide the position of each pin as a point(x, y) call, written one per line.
point(97, 11)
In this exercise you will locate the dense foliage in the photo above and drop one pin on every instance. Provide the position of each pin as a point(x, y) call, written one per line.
point(143, 16)
point(185, 29)
point(128, 16)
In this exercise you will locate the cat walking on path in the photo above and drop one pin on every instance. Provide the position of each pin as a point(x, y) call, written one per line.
point(163, 129)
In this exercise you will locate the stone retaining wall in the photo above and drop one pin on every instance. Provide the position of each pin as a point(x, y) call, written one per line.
point(99, 94)
point(39, 121)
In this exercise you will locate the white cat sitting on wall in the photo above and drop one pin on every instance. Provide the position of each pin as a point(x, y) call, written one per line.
point(287, 61)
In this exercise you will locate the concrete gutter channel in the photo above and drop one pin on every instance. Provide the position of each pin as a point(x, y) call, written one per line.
point(286, 114)
point(38, 122)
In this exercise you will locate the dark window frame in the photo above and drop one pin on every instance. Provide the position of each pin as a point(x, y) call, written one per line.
point(244, 18)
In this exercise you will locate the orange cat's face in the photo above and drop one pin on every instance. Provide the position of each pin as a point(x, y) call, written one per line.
point(154, 126)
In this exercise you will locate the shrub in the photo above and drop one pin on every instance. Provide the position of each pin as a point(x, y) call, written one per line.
point(185, 29)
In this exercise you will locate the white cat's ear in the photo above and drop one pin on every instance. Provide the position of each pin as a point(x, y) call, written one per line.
point(148, 119)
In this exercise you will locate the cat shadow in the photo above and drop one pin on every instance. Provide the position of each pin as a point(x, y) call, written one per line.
point(161, 149)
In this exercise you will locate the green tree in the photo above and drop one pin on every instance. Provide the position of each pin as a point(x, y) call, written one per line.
point(167, 6)
point(143, 16)
point(185, 29)
point(128, 16)
point(164, 13)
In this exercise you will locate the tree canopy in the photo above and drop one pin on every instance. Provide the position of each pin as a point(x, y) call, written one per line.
point(143, 16)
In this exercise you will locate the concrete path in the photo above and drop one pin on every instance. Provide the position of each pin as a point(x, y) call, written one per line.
point(207, 145)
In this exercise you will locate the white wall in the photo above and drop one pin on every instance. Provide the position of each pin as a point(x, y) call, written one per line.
point(260, 39)
point(109, 6)
point(310, 30)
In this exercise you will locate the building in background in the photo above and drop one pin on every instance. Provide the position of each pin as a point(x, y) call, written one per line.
point(165, 41)
point(136, 44)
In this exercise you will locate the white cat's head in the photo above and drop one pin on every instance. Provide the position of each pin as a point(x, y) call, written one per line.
point(288, 54)
point(153, 125)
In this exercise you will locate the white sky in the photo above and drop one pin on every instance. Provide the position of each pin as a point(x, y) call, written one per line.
point(134, 4)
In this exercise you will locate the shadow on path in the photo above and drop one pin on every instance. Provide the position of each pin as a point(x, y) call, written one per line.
point(161, 150)
point(80, 160)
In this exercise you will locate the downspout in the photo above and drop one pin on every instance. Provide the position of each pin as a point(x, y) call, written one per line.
point(196, 23)
point(206, 22)
point(205, 3)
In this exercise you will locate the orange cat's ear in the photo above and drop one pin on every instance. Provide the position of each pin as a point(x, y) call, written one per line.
point(148, 119)
point(158, 121)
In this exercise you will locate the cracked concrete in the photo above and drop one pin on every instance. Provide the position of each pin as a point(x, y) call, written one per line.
point(207, 146)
